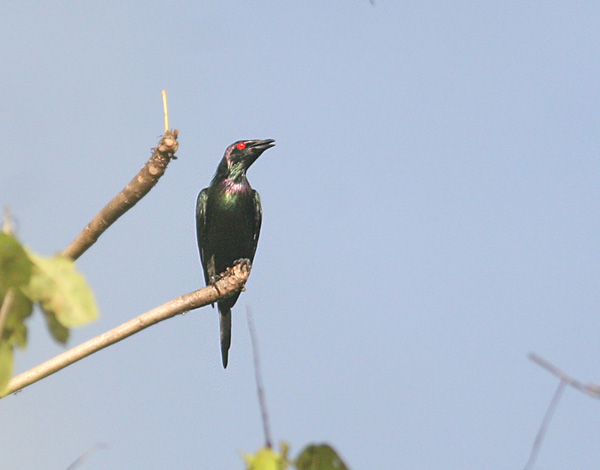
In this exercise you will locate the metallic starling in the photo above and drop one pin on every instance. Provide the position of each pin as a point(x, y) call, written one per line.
point(228, 218)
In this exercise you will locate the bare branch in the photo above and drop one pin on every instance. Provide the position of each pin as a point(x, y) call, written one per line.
point(232, 281)
point(138, 187)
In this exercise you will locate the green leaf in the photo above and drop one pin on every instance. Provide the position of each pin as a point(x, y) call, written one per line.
point(61, 291)
point(15, 266)
point(60, 332)
point(320, 457)
point(265, 459)
point(6, 365)
point(15, 273)
point(15, 331)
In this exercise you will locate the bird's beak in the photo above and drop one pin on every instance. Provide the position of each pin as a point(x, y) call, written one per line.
point(262, 145)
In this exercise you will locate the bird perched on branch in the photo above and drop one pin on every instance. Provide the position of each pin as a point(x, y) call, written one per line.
point(228, 218)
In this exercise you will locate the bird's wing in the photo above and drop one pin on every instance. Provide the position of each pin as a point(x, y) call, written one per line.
point(201, 232)
point(257, 221)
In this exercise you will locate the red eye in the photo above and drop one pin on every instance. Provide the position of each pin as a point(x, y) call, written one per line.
point(241, 146)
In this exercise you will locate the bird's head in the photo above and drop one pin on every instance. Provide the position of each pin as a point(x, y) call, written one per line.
point(241, 154)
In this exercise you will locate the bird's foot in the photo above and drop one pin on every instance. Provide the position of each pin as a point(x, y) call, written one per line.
point(213, 282)
point(243, 263)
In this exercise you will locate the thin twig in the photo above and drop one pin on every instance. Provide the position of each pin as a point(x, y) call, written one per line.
point(7, 304)
point(232, 281)
point(9, 296)
point(86, 454)
point(590, 389)
point(165, 109)
point(7, 223)
point(258, 377)
point(544, 426)
point(138, 187)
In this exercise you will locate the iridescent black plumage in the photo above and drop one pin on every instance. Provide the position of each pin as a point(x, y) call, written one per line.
point(228, 219)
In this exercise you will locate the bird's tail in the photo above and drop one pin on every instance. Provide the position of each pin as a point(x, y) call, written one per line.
point(225, 316)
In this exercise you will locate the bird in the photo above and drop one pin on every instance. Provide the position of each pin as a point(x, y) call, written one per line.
point(228, 220)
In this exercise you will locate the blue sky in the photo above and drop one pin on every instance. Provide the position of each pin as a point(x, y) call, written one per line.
point(430, 217)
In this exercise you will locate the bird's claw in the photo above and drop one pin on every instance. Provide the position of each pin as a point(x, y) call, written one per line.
point(243, 263)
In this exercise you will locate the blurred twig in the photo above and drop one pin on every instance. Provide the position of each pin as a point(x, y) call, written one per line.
point(258, 377)
point(86, 454)
point(535, 449)
point(9, 296)
point(7, 303)
point(7, 222)
point(589, 389)
point(232, 281)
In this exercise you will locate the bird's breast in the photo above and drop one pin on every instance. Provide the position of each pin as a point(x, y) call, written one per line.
point(231, 211)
